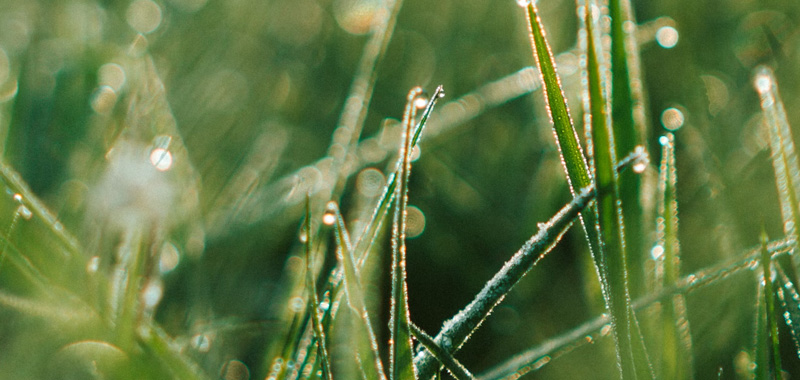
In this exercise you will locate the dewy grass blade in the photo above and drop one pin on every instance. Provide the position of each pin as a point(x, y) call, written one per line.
point(365, 336)
point(566, 137)
point(790, 300)
point(458, 329)
point(769, 303)
point(401, 355)
point(784, 157)
point(627, 135)
point(313, 301)
point(452, 365)
point(631, 354)
point(677, 361)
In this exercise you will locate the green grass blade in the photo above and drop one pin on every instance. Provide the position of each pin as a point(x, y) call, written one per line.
point(771, 311)
point(631, 354)
point(401, 355)
point(452, 365)
point(458, 329)
point(313, 300)
point(790, 301)
point(566, 136)
point(623, 65)
point(676, 347)
point(365, 336)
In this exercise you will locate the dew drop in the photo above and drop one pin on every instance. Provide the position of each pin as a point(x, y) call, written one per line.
point(657, 252)
point(303, 237)
point(297, 304)
point(524, 3)
point(24, 212)
point(324, 305)
point(18, 197)
point(328, 219)
point(201, 343)
point(639, 166)
point(605, 330)
point(763, 83)
point(420, 102)
point(667, 37)
point(93, 265)
point(152, 294)
point(672, 119)
point(663, 140)
point(168, 258)
point(161, 159)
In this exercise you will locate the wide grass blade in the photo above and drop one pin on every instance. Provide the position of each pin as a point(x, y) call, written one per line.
point(401, 354)
point(676, 346)
point(627, 134)
point(458, 329)
point(631, 354)
point(365, 336)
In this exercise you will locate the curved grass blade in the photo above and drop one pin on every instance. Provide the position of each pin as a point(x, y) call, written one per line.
point(452, 365)
point(770, 318)
point(676, 346)
point(526, 361)
point(631, 354)
point(401, 355)
point(313, 301)
point(365, 337)
point(458, 329)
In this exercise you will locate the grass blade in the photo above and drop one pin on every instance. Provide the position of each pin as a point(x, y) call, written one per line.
point(566, 137)
point(784, 157)
point(401, 355)
point(365, 337)
point(631, 354)
point(627, 135)
point(458, 329)
point(313, 301)
point(790, 301)
point(771, 316)
point(676, 346)
point(448, 361)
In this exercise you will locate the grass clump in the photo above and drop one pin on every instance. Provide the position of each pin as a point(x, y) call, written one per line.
point(159, 157)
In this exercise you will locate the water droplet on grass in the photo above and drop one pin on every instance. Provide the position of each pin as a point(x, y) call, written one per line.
point(93, 264)
point(763, 83)
point(667, 37)
point(201, 343)
point(657, 252)
point(161, 159)
point(24, 212)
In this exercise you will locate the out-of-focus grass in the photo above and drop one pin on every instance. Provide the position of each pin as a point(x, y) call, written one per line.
point(246, 96)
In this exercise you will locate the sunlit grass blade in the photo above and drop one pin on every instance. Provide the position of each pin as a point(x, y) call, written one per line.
point(676, 346)
point(784, 157)
point(627, 134)
point(155, 340)
point(401, 355)
point(631, 354)
point(365, 336)
point(790, 301)
point(572, 155)
point(458, 329)
point(313, 301)
point(452, 365)
point(540, 355)
point(770, 317)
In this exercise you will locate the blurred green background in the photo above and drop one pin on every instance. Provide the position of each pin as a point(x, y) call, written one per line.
point(255, 90)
